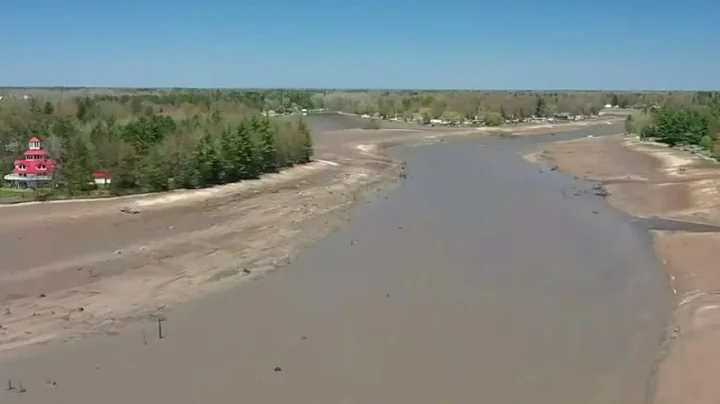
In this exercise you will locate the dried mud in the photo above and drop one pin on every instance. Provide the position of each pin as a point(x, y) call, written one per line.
point(74, 268)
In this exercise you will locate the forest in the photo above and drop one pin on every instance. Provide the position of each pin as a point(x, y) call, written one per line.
point(146, 150)
point(161, 139)
point(694, 125)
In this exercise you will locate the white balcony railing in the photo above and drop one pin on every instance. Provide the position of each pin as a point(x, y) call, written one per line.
point(29, 178)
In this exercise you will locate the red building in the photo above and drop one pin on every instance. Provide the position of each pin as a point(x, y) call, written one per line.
point(34, 169)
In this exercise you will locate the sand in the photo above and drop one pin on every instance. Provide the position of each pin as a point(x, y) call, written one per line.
point(76, 268)
point(652, 181)
point(490, 287)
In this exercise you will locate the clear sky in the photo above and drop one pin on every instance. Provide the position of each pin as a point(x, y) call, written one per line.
point(510, 44)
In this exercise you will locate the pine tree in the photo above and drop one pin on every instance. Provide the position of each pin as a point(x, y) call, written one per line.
point(49, 108)
point(246, 154)
point(268, 147)
point(154, 171)
point(207, 162)
point(306, 147)
point(540, 107)
point(230, 150)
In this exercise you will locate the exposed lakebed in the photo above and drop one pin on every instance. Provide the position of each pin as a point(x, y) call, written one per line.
point(482, 278)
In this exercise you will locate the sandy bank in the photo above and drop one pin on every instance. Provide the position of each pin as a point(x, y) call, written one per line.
point(652, 181)
point(83, 267)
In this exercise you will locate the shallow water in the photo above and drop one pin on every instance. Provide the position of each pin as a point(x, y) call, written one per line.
point(478, 280)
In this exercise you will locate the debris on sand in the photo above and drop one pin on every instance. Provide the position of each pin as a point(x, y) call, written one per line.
point(246, 271)
point(130, 210)
point(278, 369)
point(353, 242)
point(599, 190)
point(554, 167)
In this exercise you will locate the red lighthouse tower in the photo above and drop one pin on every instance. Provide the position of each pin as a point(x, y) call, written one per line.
point(34, 169)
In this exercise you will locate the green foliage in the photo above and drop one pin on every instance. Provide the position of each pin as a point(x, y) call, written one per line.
point(629, 125)
point(693, 125)
point(306, 148)
point(147, 131)
point(268, 146)
point(152, 152)
point(681, 126)
point(493, 119)
point(207, 161)
point(707, 143)
point(49, 108)
point(541, 108)
point(248, 163)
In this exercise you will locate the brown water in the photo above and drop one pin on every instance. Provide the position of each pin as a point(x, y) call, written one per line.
point(477, 281)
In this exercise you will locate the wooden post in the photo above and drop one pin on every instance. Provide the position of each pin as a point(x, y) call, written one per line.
point(160, 331)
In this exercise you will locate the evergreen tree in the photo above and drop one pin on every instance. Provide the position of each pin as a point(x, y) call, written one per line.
point(230, 152)
point(154, 172)
point(306, 147)
point(540, 107)
point(246, 155)
point(186, 174)
point(268, 147)
point(207, 162)
point(75, 168)
point(48, 109)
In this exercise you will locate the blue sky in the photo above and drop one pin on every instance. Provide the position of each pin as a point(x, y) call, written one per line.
point(521, 44)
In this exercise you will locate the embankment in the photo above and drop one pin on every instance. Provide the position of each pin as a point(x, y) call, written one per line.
point(476, 280)
point(650, 181)
point(84, 267)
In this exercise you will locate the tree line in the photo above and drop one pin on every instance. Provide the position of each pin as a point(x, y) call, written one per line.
point(697, 125)
point(152, 152)
point(450, 105)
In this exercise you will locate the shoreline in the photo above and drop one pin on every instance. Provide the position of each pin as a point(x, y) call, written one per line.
point(184, 245)
point(648, 181)
point(428, 275)
point(344, 189)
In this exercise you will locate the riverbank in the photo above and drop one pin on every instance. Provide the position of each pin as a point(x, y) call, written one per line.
point(493, 287)
point(651, 181)
point(73, 268)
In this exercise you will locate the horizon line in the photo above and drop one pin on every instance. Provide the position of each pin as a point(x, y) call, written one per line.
point(353, 89)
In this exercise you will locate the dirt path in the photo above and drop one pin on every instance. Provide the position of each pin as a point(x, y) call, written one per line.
point(77, 268)
point(651, 181)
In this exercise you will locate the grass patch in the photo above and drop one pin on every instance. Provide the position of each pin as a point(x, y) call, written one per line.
point(16, 194)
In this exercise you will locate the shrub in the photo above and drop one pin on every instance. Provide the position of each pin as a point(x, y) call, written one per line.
point(706, 143)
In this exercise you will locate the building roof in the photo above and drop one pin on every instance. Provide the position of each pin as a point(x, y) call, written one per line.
point(101, 174)
point(35, 152)
point(34, 139)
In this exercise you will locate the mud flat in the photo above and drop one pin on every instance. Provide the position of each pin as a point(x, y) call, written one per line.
point(681, 195)
point(478, 279)
point(73, 268)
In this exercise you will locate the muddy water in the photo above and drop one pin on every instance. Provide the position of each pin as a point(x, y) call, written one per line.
point(478, 280)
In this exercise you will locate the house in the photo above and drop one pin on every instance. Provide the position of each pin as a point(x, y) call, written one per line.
point(102, 177)
point(34, 169)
